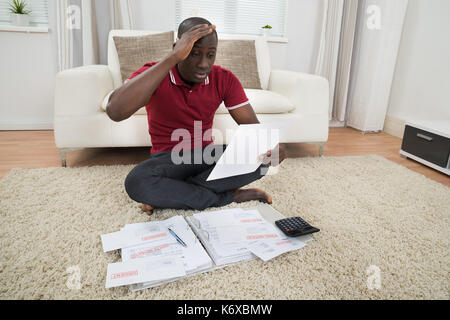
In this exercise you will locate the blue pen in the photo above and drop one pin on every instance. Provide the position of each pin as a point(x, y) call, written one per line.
point(177, 237)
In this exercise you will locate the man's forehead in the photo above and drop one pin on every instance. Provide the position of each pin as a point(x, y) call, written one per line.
point(209, 41)
point(204, 46)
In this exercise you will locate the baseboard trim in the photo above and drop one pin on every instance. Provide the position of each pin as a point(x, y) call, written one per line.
point(394, 126)
point(336, 124)
point(11, 126)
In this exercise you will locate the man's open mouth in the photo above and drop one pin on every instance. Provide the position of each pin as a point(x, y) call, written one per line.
point(201, 75)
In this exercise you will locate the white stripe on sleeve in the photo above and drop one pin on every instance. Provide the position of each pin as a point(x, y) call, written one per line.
point(238, 106)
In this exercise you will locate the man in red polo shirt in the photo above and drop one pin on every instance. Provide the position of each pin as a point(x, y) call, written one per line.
point(183, 92)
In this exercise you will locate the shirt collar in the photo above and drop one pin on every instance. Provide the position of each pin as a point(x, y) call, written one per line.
point(176, 79)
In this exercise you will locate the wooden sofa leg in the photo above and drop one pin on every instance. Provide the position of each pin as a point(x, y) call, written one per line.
point(63, 157)
point(321, 145)
point(63, 153)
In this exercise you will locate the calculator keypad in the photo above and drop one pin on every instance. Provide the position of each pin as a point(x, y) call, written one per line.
point(295, 226)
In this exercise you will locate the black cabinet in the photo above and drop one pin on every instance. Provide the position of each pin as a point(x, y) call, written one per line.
point(426, 145)
point(428, 142)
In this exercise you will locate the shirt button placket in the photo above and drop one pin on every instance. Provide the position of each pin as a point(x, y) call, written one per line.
point(188, 97)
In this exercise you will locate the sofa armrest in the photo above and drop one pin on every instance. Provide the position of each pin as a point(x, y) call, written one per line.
point(309, 93)
point(80, 91)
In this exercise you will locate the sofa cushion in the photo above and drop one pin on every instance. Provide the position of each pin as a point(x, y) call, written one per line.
point(239, 56)
point(134, 52)
point(264, 101)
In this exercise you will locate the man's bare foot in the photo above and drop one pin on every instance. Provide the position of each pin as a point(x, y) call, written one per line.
point(242, 195)
point(148, 209)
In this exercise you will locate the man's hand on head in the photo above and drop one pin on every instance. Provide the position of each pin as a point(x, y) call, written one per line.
point(184, 45)
point(275, 156)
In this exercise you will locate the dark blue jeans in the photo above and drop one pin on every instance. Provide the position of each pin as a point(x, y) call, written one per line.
point(161, 183)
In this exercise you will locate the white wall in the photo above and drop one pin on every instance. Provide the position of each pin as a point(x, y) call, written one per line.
point(421, 87)
point(28, 61)
point(303, 31)
point(28, 64)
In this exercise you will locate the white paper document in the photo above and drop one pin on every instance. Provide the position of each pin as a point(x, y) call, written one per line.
point(234, 235)
point(269, 249)
point(143, 270)
point(236, 225)
point(232, 217)
point(193, 256)
point(151, 255)
point(251, 232)
point(248, 143)
point(130, 237)
point(204, 225)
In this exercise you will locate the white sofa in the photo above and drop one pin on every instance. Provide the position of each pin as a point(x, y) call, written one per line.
point(81, 95)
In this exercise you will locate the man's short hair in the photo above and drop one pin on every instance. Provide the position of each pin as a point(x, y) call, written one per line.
point(188, 23)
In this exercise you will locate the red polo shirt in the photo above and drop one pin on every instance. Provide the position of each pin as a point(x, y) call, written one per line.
point(177, 105)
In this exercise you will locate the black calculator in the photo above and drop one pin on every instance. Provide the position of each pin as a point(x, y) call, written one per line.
point(295, 226)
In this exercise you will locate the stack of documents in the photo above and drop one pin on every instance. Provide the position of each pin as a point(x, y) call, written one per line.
point(151, 255)
point(236, 235)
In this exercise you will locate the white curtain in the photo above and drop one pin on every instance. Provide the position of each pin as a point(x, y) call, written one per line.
point(83, 26)
point(380, 26)
point(335, 51)
point(348, 28)
point(122, 14)
point(327, 59)
point(358, 58)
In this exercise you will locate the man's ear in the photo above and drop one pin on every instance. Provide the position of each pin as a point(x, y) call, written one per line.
point(175, 43)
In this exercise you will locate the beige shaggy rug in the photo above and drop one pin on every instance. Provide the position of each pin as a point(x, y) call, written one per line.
point(384, 235)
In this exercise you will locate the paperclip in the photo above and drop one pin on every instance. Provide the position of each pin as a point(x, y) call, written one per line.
point(196, 222)
point(204, 232)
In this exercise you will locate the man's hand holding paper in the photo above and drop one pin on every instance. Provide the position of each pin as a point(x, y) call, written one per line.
point(251, 146)
point(275, 156)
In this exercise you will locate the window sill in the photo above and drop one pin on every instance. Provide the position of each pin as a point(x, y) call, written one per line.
point(27, 29)
point(237, 36)
point(277, 39)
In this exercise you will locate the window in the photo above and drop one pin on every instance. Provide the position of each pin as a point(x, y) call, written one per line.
point(236, 16)
point(38, 15)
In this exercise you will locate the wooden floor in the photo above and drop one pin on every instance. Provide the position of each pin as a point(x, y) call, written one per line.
point(36, 149)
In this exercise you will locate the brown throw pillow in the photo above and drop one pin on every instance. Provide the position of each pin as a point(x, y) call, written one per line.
point(239, 56)
point(136, 51)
